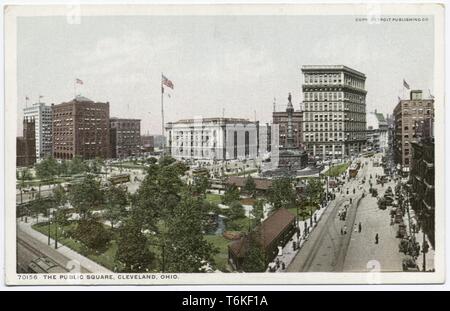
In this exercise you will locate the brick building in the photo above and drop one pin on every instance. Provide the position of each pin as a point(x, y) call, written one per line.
point(125, 137)
point(81, 128)
point(422, 178)
point(408, 115)
point(26, 145)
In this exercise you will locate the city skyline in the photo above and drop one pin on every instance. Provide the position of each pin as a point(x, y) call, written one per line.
point(231, 65)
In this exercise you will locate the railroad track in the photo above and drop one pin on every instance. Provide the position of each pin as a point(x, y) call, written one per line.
point(39, 254)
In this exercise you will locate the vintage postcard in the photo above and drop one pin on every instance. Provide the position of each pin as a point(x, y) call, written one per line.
point(224, 144)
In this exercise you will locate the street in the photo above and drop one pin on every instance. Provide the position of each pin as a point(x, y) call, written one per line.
point(330, 250)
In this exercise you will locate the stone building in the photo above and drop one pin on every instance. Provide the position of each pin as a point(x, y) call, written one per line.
point(81, 128)
point(214, 139)
point(377, 132)
point(26, 144)
point(334, 115)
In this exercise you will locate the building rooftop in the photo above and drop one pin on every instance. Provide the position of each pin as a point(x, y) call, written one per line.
point(239, 181)
point(269, 231)
point(332, 68)
point(212, 120)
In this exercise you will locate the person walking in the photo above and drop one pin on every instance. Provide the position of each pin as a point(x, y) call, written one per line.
point(342, 231)
point(376, 238)
point(345, 229)
point(359, 228)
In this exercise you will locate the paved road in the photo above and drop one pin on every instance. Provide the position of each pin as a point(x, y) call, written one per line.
point(363, 254)
point(327, 250)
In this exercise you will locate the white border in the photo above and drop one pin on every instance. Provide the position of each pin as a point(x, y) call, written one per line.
point(12, 12)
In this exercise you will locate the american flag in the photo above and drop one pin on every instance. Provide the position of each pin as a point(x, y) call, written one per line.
point(405, 84)
point(78, 81)
point(166, 82)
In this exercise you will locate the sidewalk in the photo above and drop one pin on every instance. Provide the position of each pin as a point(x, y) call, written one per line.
point(429, 257)
point(64, 250)
point(288, 252)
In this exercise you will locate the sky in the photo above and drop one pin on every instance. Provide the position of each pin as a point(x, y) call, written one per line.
point(219, 65)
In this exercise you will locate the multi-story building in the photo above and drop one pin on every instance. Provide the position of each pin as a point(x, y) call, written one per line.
point(334, 115)
point(213, 139)
point(408, 115)
point(125, 137)
point(280, 119)
point(422, 178)
point(81, 128)
point(26, 145)
point(377, 132)
point(42, 115)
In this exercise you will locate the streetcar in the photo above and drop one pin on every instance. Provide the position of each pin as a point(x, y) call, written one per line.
point(45, 265)
point(119, 179)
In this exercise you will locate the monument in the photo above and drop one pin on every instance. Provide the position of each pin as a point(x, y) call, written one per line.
point(290, 158)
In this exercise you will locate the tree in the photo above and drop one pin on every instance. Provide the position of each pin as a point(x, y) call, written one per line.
point(201, 184)
point(250, 186)
point(166, 160)
point(314, 193)
point(236, 210)
point(231, 194)
point(116, 202)
point(86, 196)
point(132, 248)
point(186, 249)
point(258, 211)
point(92, 234)
point(158, 194)
point(63, 168)
point(282, 194)
point(152, 160)
point(77, 166)
point(254, 260)
point(47, 169)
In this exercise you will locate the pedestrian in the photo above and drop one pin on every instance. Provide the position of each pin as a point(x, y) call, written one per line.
point(376, 238)
point(359, 228)
point(345, 229)
point(342, 231)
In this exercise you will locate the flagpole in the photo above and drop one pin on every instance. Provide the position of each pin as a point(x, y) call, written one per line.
point(162, 115)
point(75, 89)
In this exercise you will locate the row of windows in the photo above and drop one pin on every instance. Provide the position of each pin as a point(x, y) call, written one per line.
point(332, 78)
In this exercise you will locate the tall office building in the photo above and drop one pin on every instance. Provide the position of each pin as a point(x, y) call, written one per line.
point(334, 116)
point(125, 137)
point(26, 144)
point(42, 116)
point(408, 116)
point(81, 128)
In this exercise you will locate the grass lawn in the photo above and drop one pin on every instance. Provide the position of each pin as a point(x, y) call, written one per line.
point(240, 224)
point(221, 258)
point(106, 258)
point(336, 170)
point(214, 198)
